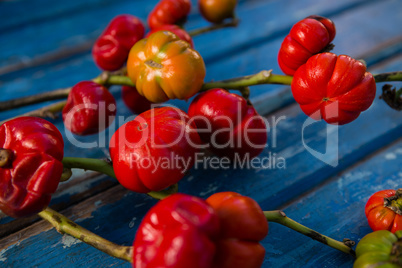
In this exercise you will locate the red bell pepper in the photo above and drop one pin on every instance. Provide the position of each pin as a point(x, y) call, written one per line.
point(228, 124)
point(134, 101)
point(90, 108)
point(154, 151)
point(306, 38)
point(32, 150)
point(111, 49)
point(183, 231)
point(169, 12)
point(334, 88)
point(243, 225)
point(177, 232)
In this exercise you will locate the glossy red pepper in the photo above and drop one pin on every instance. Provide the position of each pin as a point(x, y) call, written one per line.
point(230, 126)
point(32, 150)
point(111, 49)
point(180, 32)
point(178, 232)
point(134, 101)
point(169, 12)
point(216, 11)
point(154, 150)
point(243, 226)
point(184, 231)
point(384, 209)
point(90, 108)
point(334, 88)
point(306, 38)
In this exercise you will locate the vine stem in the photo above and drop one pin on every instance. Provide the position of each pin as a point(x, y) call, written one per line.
point(66, 226)
point(281, 218)
point(232, 23)
point(105, 78)
point(104, 167)
point(46, 111)
point(388, 77)
point(45, 96)
point(117, 78)
point(263, 77)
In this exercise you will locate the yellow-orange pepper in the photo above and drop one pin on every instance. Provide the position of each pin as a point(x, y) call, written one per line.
point(164, 67)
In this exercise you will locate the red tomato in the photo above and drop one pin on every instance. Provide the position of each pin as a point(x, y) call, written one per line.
point(111, 49)
point(90, 108)
point(180, 32)
point(334, 88)
point(228, 124)
point(134, 101)
point(33, 169)
point(384, 209)
point(169, 12)
point(154, 150)
point(306, 38)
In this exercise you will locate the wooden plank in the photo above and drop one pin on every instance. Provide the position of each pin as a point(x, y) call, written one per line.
point(81, 68)
point(335, 209)
point(40, 236)
point(15, 14)
point(17, 53)
point(271, 188)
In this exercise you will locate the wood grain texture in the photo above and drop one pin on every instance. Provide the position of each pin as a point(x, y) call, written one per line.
point(46, 37)
point(365, 29)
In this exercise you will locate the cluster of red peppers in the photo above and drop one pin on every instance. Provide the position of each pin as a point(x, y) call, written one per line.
point(329, 87)
point(185, 231)
point(31, 154)
point(182, 230)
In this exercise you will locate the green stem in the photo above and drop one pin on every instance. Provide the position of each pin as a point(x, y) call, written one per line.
point(398, 94)
point(46, 96)
point(120, 80)
point(105, 78)
point(281, 218)
point(387, 77)
point(263, 77)
point(46, 111)
point(164, 193)
point(65, 226)
point(98, 165)
point(106, 168)
point(232, 23)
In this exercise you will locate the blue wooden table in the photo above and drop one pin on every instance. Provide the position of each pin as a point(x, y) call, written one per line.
point(46, 45)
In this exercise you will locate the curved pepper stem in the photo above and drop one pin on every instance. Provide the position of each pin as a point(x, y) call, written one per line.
point(164, 193)
point(232, 23)
point(387, 77)
point(263, 77)
point(6, 157)
point(281, 218)
point(105, 167)
point(394, 202)
point(119, 78)
point(65, 226)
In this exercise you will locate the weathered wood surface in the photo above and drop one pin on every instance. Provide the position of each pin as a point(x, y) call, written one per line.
point(32, 60)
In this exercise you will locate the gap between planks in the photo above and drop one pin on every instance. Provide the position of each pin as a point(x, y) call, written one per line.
point(80, 211)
